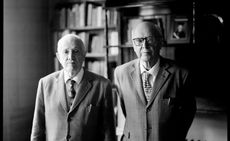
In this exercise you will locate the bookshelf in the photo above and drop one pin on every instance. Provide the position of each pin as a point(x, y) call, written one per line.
point(87, 19)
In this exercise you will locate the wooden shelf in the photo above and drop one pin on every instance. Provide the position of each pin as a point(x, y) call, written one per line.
point(120, 46)
point(173, 4)
point(61, 3)
point(101, 56)
point(133, 3)
point(86, 28)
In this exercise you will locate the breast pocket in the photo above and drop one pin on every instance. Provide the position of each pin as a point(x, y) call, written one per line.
point(166, 108)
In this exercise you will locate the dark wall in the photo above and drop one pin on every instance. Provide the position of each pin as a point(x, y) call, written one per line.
point(210, 52)
point(26, 58)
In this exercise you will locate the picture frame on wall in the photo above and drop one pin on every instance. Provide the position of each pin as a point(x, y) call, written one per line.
point(179, 30)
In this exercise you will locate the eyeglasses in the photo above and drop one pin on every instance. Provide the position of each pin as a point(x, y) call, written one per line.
point(140, 41)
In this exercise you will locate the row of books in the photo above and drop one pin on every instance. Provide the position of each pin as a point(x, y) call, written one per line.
point(83, 15)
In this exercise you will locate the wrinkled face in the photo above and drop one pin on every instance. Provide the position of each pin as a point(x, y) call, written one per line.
point(145, 43)
point(71, 54)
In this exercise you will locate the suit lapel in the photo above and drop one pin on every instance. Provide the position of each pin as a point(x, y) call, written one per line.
point(135, 75)
point(60, 90)
point(84, 87)
point(161, 78)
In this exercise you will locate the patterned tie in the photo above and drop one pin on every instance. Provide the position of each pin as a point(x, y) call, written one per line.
point(147, 85)
point(72, 91)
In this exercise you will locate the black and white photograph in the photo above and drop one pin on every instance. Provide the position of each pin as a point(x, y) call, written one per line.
point(114, 70)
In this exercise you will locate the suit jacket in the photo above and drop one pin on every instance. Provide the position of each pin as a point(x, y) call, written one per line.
point(90, 118)
point(169, 113)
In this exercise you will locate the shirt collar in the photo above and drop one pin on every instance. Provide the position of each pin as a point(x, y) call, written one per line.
point(153, 70)
point(77, 78)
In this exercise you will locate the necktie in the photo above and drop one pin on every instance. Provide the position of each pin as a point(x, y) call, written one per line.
point(147, 85)
point(72, 91)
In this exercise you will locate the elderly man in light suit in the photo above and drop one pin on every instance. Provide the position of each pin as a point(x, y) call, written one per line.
point(78, 111)
point(156, 102)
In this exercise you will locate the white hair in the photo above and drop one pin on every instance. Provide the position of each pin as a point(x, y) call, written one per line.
point(71, 37)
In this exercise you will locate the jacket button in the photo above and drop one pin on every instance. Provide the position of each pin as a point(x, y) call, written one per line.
point(68, 137)
point(69, 119)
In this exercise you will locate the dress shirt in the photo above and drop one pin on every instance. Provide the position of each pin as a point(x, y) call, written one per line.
point(77, 78)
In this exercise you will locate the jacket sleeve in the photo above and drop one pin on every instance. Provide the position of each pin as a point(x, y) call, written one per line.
point(120, 108)
point(38, 126)
point(108, 115)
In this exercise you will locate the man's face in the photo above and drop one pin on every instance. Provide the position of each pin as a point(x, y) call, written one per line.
point(145, 44)
point(71, 55)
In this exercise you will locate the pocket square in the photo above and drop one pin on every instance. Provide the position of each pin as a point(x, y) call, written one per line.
point(171, 100)
point(89, 108)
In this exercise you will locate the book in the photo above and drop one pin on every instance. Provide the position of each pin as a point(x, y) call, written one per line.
point(62, 18)
point(76, 15)
point(96, 45)
point(70, 18)
point(113, 41)
point(82, 12)
point(99, 16)
point(89, 14)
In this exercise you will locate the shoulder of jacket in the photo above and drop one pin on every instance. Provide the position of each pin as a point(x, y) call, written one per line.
point(96, 77)
point(51, 76)
point(174, 65)
point(126, 66)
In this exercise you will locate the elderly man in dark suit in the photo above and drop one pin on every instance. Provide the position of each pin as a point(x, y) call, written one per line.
point(156, 102)
point(73, 104)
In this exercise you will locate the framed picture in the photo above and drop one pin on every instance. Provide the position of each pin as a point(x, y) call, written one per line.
point(179, 30)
